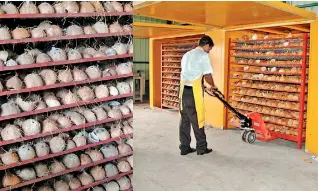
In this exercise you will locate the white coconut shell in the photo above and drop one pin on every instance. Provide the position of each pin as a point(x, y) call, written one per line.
point(33, 80)
point(130, 160)
point(130, 48)
point(89, 115)
point(53, 31)
point(73, 54)
point(9, 8)
point(64, 122)
point(127, 130)
point(117, 6)
point(101, 133)
point(61, 185)
point(70, 145)
point(71, 6)
point(49, 76)
point(93, 72)
point(10, 179)
point(10, 132)
point(124, 183)
point(31, 127)
point(65, 75)
point(111, 170)
point(85, 93)
point(49, 125)
point(95, 155)
point(120, 48)
point(112, 186)
point(98, 173)
point(109, 151)
point(115, 114)
point(123, 166)
point(5, 33)
point(99, 54)
point(98, 188)
point(110, 52)
point(128, 8)
point(9, 108)
point(100, 113)
point(89, 50)
point(59, 8)
point(113, 91)
point(4, 55)
point(130, 142)
point(98, 6)
point(109, 7)
point(71, 160)
point(20, 33)
point(57, 54)
point(85, 178)
point(86, 7)
point(28, 8)
point(46, 8)
point(8, 158)
point(101, 91)
point(89, 30)
point(123, 148)
point(123, 88)
point(42, 149)
point(85, 159)
point(74, 30)
point(100, 27)
point(70, 98)
point(57, 144)
point(51, 100)
point(25, 105)
point(79, 75)
point(26, 152)
point(38, 33)
point(116, 28)
point(80, 140)
point(74, 183)
point(75, 117)
point(42, 58)
point(57, 167)
point(25, 59)
point(11, 63)
point(45, 188)
point(124, 68)
point(41, 170)
point(14, 83)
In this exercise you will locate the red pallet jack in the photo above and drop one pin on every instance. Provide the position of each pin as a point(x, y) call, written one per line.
point(252, 123)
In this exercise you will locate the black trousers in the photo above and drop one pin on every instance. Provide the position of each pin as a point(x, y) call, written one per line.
point(188, 118)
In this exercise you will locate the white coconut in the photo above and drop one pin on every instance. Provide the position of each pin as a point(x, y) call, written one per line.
point(61, 185)
point(124, 183)
point(11, 63)
point(80, 140)
point(42, 58)
point(9, 179)
point(45, 188)
point(54, 31)
point(128, 8)
point(49, 76)
point(10, 157)
point(130, 104)
point(41, 170)
point(33, 80)
point(31, 127)
point(71, 160)
point(79, 75)
point(5, 33)
point(42, 149)
point(100, 27)
point(25, 59)
point(10, 132)
point(49, 125)
point(71, 6)
point(73, 54)
point(124, 68)
point(51, 100)
point(26, 152)
point(57, 144)
point(89, 115)
point(123, 166)
point(89, 50)
point(85, 159)
point(70, 98)
point(123, 88)
point(109, 151)
point(9, 108)
point(115, 114)
point(59, 8)
point(98, 173)
point(86, 7)
point(9, 8)
point(116, 28)
point(93, 72)
point(46, 8)
point(101, 91)
point(26, 174)
point(20, 33)
point(120, 48)
point(85, 93)
point(101, 133)
point(111, 170)
point(74, 183)
point(85, 178)
point(112, 185)
point(14, 83)
point(74, 30)
point(100, 113)
point(57, 167)
point(123, 148)
point(57, 54)
point(28, 8)
point(70, 145)
point(65, 75)
point(25, 105)
point(94, 155)
point(113, 91)
point(75, 117)
point(98, 6)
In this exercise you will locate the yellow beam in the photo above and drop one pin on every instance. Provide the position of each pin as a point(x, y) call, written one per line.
point(159, 25)
point(270, 31)
point(299, 28)
point(151, 79)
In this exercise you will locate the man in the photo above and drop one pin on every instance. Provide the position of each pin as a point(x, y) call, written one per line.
point(195, 65)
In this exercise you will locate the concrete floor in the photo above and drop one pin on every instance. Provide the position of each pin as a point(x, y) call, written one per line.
point(233, 165)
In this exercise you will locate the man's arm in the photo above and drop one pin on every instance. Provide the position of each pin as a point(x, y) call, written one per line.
point(208, 71)
point(209, 79)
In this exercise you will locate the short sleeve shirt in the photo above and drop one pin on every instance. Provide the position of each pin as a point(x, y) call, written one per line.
point(195, 63)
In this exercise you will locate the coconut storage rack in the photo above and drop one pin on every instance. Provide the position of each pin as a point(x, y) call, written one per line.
point(16, 20)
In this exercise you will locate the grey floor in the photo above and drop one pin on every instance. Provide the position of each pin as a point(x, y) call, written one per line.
point(233, 165)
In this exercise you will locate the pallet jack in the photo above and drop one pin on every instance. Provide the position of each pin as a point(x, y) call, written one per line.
point(252, 123)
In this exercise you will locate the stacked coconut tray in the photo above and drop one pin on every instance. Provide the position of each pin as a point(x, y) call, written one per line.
point(66, 96)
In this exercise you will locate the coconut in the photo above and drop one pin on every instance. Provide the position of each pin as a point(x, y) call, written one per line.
point(98, 173)
point(79, 75)
point(98, 188)
point(93, 72)
point(28, 8)
point(123, 88)
point(46, 8)
point(26, 152)
point(130, 104)
point(99, 54)
point(101, 91)
point(128, 8)
point(9, 108)
point(116, 28)
point(42, 58)
point(127, 130)
point(89, 30)
point(57, 144)
point(89, 50)
point(117, 6)
point(38, 33)
point(10, 157)
point(45, 25)
point(42, 149)
point(9, 8)
point(80, 140)
point(5, 33)
point(70, 98)
point(130, 48)
point(71, 6)
point(41, 170)
point(75, 117)
point(49, 125)
point(120, 48)
point(45, 188)
point(71, 160)
point(85, 159)
point(25, 105)
point(127, 29)
point(124, 183)
point(51, 100)
point(98, 6)
point(57, 167)
point(73, 54)
point(65, 75)
point(115, 114)
point(85, 93)
point(124, 68)
point(74, 30)
point(111, 170)
point(20, 33)
point(85, 178)
point(101, 134)
point(70, 145)
point(10, 132)
point(74, 183)
point(33, 80)
point(54, 31)
point(123, 148)
point(123, 166)
point(100, 27)
point(109, 7)
point(9, 179)
point(11, 63)
point(49, 76)
point(25, 59)
point(88, 114)
point(110, 52)
point(59, 8)
point(86, 7)
point(4, 55)
point(94, 155)
point(64, 122)
point(31, 127)
point(113, 91)
point(61, 185)
point(14, 83)
point(57, 54)
point(109, 151)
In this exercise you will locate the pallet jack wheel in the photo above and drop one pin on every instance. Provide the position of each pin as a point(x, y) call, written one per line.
point(244, 135)
point(251, 137)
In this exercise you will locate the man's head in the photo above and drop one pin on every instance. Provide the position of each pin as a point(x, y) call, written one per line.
point(206, 43)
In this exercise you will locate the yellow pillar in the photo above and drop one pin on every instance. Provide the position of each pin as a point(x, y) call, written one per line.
point(312, 110)
point(151, 79)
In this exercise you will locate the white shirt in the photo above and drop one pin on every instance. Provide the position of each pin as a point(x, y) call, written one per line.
point(195, 63)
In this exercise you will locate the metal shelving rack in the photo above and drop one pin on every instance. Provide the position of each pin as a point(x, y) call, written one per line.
point(270, 76)
point(171, 55)
point(16, 18)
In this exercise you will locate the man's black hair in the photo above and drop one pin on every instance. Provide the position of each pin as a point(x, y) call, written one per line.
point(206, 40)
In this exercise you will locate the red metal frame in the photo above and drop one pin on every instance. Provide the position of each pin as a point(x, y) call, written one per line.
point(67, 37)
point(67, 106)
point(59, 85)
point(64, 62)
point(75, 127)
point(269, 39)
point(65, 172)
point(64, 152)
point(104, 181)
point(228, 86)
point(63, 15)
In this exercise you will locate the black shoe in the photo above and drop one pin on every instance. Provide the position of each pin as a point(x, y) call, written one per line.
point(187, 151)
point(206, 151)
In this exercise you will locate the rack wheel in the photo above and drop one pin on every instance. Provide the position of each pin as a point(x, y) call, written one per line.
point(244, 135)
point(251, 137)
